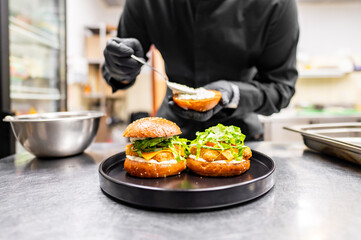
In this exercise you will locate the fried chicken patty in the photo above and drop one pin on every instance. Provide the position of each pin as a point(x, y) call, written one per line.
point(159, 157)
point(213, 155)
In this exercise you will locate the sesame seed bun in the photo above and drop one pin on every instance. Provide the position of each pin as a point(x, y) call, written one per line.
point(153, 170)
point(151, 127)
point(217, 169)
point(214, 169)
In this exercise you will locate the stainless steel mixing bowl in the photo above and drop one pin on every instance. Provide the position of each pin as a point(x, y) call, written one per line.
point(57, 134)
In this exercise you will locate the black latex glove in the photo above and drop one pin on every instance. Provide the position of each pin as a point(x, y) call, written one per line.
point(119, 68)
point(225, 87)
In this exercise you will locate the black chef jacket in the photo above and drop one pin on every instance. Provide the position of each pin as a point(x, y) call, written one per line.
point(251, 43)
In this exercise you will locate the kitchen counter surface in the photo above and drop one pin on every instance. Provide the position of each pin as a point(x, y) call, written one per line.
point(314, 197)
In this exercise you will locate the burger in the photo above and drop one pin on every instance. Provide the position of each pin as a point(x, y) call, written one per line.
point(155, 150)
point(219, 151)
point(203, 100)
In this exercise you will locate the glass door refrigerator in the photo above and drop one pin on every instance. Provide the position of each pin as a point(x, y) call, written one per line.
point(33, 60)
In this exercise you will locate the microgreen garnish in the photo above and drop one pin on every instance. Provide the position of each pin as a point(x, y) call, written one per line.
point(221, 138)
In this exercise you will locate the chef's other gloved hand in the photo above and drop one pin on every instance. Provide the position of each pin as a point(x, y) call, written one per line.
point(230, 93)
point(230, 98)
point(119, 68)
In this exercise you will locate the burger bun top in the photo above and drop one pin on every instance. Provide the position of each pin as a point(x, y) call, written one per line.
point(151, 127)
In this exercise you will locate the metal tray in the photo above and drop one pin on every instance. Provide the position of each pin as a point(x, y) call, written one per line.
point(186, 191)
point(342, 140)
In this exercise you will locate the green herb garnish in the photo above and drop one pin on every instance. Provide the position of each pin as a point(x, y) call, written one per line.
point(222, 138)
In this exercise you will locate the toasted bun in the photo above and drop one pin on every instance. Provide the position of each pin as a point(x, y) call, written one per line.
point(212, 169)
point(153, 170)
point(151, 127)
point(216, 169)
point(200, 105)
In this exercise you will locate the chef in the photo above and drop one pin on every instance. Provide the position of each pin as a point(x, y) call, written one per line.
point(246, 49)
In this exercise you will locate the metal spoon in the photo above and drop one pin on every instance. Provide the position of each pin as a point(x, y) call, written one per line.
point(176, 87)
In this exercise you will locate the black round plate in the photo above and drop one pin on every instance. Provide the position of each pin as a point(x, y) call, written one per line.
point(187, 191)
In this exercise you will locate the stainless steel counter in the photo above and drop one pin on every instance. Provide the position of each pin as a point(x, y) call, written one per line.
point(314, 197)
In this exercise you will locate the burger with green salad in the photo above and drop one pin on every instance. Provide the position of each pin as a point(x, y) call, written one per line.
point(219, 151)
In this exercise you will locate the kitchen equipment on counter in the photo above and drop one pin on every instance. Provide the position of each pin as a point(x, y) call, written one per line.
point(176, 87)
point(56, 134)
point(186, 191)
point(341, 140)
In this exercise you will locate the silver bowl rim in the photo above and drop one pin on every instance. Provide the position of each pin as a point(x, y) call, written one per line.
point(55, 116)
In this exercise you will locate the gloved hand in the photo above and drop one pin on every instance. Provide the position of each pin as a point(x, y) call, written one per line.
point(230, 96)
point(230, 92)
point(118, 65)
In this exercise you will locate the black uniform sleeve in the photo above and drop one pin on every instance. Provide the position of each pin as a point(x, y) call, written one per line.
point(274, 84)
point(131, 25)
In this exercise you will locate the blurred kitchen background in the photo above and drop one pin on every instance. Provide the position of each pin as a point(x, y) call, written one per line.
point(51, 61)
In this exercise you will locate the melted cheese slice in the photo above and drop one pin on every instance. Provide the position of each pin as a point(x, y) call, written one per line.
point(150, 155)
point(227, 154)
